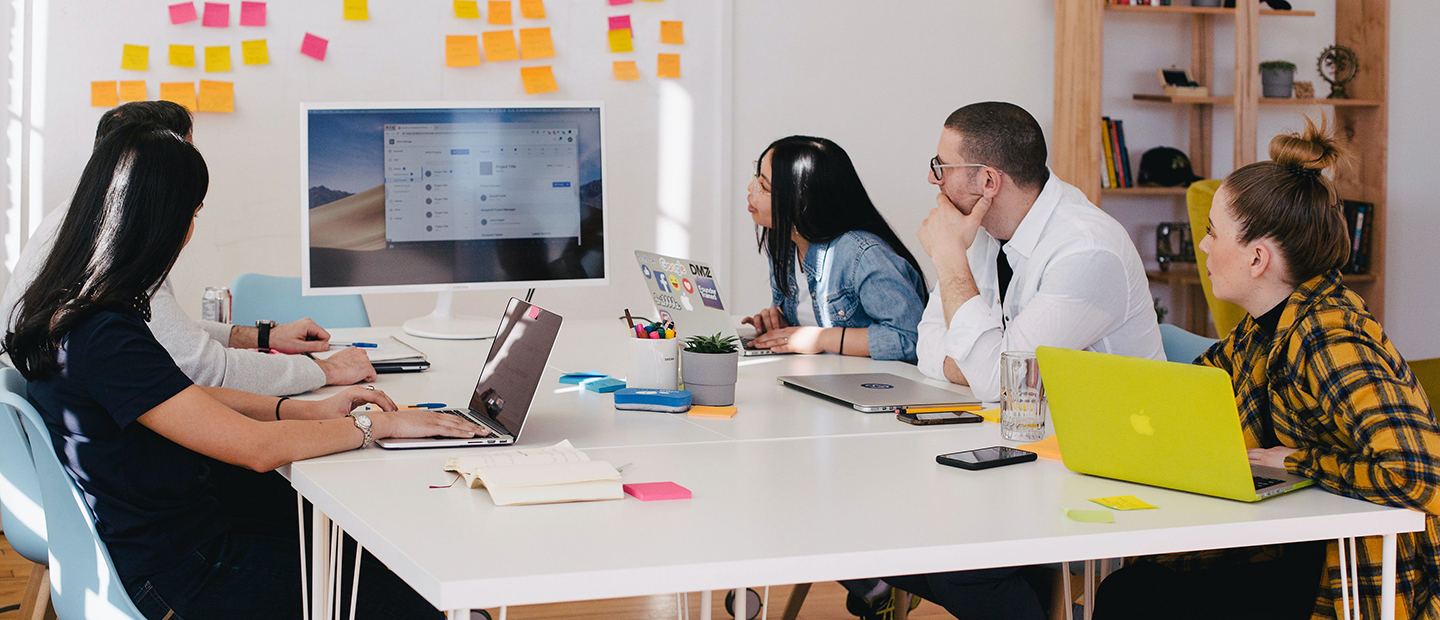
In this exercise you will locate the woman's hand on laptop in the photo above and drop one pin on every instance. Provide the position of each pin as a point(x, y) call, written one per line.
point(415, 423)
point(805, 339)
point(767, 320)
point(1270, 457)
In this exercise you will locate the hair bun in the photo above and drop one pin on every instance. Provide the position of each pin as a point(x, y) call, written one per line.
point(1309, 152)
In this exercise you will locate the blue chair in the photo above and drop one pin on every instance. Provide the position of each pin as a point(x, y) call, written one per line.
point(258, 297)
point(1182, 346)
point(21, 508)
point(84, 584)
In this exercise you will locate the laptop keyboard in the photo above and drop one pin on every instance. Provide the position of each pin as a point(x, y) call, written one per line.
point(1261, 482)
point(471, 418)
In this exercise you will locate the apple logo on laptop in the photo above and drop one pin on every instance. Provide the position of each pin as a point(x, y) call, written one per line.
point(685, 301)
point(1141, 423)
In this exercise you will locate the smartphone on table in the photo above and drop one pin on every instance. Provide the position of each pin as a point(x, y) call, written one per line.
point(985, 458)
point(938, 417)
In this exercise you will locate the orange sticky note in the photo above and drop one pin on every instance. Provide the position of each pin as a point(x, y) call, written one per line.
point(104, 94)
point(182, 93)
point(255, 52)
point(132, 90)
point(467, 9)
point(626, 71)
point(538, 80)
point(500, 13)
point(357, 10)
point(135, 58)
point(620, 41)
point(217, 58)
point(217, 96)
point(669, 66)
point(702, 411)
point(182, 55)
point(532, 9)
point(672, 33)
point(500, 45)
point(536, 43)
point(462, 50)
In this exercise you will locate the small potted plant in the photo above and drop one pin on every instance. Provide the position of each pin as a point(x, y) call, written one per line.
point(708, 367)
point(1277, 78)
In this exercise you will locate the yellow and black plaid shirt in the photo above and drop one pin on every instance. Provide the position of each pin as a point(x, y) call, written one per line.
point(1340, 394)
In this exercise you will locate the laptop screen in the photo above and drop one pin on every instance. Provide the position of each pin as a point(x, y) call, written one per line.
point(517, 359)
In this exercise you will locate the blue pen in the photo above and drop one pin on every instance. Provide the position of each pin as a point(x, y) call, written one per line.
point(363, 345)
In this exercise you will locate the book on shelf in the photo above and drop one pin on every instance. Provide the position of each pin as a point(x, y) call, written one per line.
point(1108, 174)
point(559, 473)
point(1124, 153)
point(1117, 156)
point(1358, 219)
point(1140, 2)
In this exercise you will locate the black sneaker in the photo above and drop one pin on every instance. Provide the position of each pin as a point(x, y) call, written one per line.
point(881, 608)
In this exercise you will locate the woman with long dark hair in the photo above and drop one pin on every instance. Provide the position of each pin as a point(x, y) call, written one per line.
point(137, 436)
point(841, 281)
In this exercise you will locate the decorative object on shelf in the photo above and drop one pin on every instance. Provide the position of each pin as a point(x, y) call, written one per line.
point(1304, 90)
point(1173, 244)
point(1166, 167)
point(1338, 65)
point(1279, 5)
point(1160, 311)
point(1277, 78)
point(709, 367)
point(1178, 82)
point(1358, 216)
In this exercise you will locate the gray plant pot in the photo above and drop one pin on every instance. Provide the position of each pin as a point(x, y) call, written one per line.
point(1277, 83)
point(710, 377)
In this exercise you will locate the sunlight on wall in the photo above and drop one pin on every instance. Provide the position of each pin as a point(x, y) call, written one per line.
point(675, 156)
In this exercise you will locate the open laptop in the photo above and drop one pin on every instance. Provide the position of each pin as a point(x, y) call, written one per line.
point(685, 292)
point(1157, 423)
point(879, 392)
point(508, 382)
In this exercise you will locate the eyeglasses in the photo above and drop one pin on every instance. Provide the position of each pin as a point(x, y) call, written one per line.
point(937, 168)
point(762, 184)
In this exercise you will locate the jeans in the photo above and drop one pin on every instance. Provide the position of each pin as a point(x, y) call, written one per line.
point(983, 594)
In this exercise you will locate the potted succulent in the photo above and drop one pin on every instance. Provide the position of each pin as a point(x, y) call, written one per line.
point(1277, 78)
point(708, 366)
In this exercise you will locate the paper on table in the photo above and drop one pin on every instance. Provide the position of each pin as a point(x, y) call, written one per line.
point(532, 9)
point(672, 33)
point(462, 50)
point(104, 94)
point(467, 9)
point(538, 80)
point(182, 93)
point(135, 58)
point(132, 90)
point(357, 10)
point(255, 52)
point(620, 41)
point(252, 13)
point(182, 55)
point(536, 43)
point(1048, 447)
point(620, 22)
point(500, 13)
point(182, 13)
point(389, 349)
point(626, 70)
point(668, 66)
point(562, 452)
point(500, 45)
point(1123, 502)
point(217, 15)
point(217, 96)
point(1090, 516)
point(314, 46)
point(217, 58)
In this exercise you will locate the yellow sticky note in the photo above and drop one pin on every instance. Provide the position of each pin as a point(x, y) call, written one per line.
point(217, 58)
point(357, 10)
point(182, 93)
point(990, 415)
point(532, 9)
point(1090, 516)
point(104, 94)
point(672, 33)
point(1123, 502)
point(467, 9)
point(500, 13)
point(538, 80)
point(536, 43)
point(132, 90)
point(500, 45)
point(626, 71)
point(462, 50)
point(182, 55)
point(620, 41)
point(255, 52)
point(135, 58)
point(669, 66)
point(217, 96)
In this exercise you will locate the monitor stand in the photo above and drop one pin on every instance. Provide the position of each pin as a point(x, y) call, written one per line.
point(440, 324)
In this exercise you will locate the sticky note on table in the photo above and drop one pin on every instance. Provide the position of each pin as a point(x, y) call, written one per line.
point(135, 58)
point(539, 80)
point(357, 10)
point(217, 58)
point(536, 43)
point(255, 52)
point(656, 491)
point(217, 15)
point(668, 66)
point(1048, 447)
point(532, 9)
point(672, 33)
point(990, 415)
point(182, 93)
point(462, 50)
point(626, 71)
point(467, 9)
point(104, 94)
point(183, 13)
point(1123, 502)
point(620, 2)
point(182, 55)
point(217, 96)
point(252, 13)
point(132, 90)
point(576, 378)
point(314, 46)
point(620, 41)
point(500, 45)
point(499, 11)
point(1090, 516)
point(607, 384)
point(620, 22)
point(703, 411)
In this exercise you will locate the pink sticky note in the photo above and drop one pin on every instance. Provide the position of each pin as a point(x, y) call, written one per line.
point(620, 22)
point(620, 2)
point(654, 491)
point(183, 13)
point(314, 46)
point(534, 312)
point(217, 15)
point(252, 13)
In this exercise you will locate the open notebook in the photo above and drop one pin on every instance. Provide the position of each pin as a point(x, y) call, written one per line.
point(389, 355)
point(559, 473)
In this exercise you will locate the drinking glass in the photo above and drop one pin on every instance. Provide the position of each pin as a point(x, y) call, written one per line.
point(1023, 407)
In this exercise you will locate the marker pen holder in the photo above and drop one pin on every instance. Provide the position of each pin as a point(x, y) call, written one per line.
point(654, 363)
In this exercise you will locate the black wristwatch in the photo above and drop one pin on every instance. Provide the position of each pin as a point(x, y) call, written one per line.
point(262, 340)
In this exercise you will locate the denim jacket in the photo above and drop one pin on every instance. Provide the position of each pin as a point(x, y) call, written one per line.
point(858, 281)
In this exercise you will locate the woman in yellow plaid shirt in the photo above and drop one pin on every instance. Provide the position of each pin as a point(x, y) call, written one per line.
point(1321, 392)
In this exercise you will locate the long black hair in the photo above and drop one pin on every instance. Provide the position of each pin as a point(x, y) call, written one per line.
point(816, 191)
point(126, 226)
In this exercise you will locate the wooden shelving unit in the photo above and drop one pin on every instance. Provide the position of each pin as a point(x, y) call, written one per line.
point(1361, 122)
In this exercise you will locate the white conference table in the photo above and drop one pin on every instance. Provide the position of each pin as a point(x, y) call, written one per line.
point(794, 489)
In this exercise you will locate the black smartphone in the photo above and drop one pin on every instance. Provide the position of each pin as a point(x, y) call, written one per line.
point(985, 458)
point(939, 417)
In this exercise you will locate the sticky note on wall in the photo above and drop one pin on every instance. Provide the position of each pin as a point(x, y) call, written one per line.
point(500, 45)
point(132, 90)
point(104, 94)
point(255, 52)
point(620, 41)
point(314, 46)
point(620, 22)
point(668, 66)
point(500, 13)
point(252, 13)
point(135, 58)
point(538, 80)
point(217, 15)
point(182, 55)
point(462, 50)
point(672, 33)
point(620, 2)
point(182, 93)
point(217, 58)
point(626, 70)
point(467, 9)
point(183, 13)
point(216, 96)
point(536, 43)
point(357, 10)
point(532, 9)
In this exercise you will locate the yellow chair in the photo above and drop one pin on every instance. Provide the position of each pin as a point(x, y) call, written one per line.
point(1197, 200)
point(1427, 372)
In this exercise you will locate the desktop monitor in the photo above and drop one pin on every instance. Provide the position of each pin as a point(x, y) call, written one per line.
point(409, 197)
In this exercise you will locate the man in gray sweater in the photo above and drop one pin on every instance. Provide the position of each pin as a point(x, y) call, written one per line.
point(210, 353)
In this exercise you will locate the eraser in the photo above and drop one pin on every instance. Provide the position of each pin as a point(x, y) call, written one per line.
point(702, 411)
point(602, 386)
point(653, 399)
point(654, 491)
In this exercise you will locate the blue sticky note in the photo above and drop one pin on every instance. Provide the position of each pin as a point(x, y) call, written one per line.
point(607, 384)
point(576, 378)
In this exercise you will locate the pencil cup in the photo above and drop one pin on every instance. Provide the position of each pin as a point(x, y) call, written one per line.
point(1023, 407)
point(654, 364)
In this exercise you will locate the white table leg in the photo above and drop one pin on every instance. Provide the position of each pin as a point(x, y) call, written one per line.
point(1089, 607)
point(1387, 578)
point(705, 604)
point(457, 614)
point(741, 597)
point(320, 563)
point(355, 583)
point(304, 587)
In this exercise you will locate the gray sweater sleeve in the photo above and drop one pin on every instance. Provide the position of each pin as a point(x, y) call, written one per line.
point(208, 362)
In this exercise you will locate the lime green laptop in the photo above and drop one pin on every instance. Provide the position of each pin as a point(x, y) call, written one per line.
point(1157, 423)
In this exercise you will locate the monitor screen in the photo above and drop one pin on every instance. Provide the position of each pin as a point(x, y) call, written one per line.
point(423, 197)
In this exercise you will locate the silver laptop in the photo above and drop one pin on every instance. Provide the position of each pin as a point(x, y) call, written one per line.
point(508, 382)
point(685, 292)
point(878, 392)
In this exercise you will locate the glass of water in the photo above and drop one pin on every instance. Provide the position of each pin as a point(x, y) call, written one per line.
point(1023, 407)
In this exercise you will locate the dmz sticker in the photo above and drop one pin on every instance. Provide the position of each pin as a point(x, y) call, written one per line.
point(709, 293)
point(877, 386)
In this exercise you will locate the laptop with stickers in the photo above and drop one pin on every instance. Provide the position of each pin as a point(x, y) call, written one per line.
point(685, 292)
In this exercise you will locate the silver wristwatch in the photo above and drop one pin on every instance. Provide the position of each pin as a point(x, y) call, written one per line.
point(362, 422)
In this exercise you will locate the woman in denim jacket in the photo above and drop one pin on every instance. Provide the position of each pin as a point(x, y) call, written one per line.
point(840, 280)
